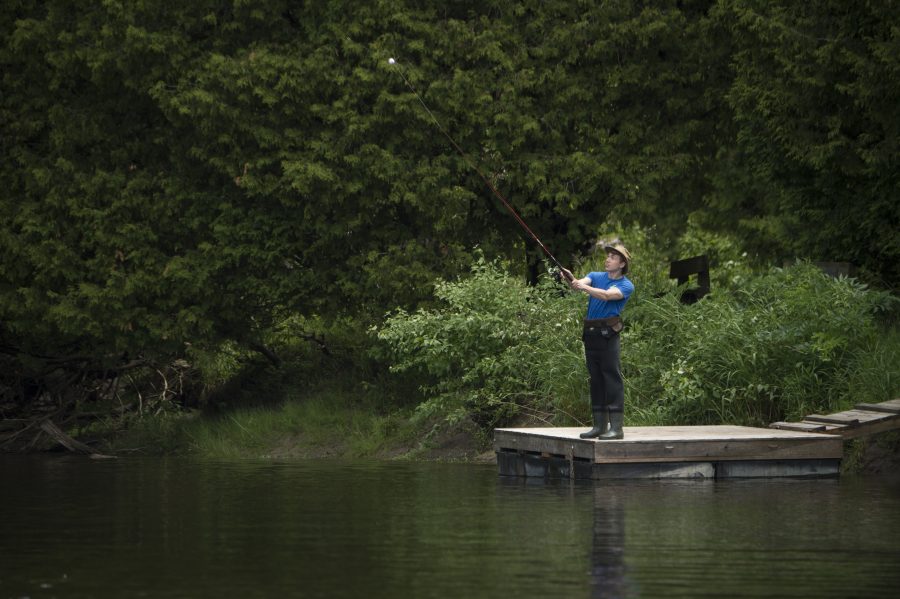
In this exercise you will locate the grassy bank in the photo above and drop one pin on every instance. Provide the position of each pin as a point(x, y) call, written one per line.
point(337, 423)
point(328, 420)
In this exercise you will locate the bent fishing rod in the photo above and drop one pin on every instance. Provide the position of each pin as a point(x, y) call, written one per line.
point(487, 181)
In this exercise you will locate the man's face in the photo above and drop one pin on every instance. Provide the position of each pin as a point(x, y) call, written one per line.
point(614, 261)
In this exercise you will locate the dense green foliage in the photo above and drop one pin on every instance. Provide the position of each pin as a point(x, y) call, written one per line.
point(783, 345)
point(190, 185)
point(780, 345)
point(492, 346)
point(813, 168)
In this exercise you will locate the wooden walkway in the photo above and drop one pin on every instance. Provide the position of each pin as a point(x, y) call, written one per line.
point(865, 419)
point(811, 448)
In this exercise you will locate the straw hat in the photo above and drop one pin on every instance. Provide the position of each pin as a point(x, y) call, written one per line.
point(620, 249)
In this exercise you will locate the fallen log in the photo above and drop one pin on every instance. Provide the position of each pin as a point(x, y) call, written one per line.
point(68, 442)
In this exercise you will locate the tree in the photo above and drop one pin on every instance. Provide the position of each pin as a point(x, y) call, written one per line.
point(178, 173)
point(813, 166)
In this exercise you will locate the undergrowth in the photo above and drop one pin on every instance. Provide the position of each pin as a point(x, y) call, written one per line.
point(778, 345)
point(327, 420)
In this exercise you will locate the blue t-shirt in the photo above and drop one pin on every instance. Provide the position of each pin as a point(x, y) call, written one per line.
point(603, 309)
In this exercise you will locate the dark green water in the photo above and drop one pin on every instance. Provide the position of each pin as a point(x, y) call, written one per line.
point(75, 527)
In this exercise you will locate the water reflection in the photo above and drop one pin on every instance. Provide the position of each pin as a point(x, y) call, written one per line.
point(608, 570)
point(596, 520)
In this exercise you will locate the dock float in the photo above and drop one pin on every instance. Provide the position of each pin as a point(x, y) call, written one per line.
point(707, 452)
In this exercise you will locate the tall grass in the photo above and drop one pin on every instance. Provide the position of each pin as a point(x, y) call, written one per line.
point(329, 421)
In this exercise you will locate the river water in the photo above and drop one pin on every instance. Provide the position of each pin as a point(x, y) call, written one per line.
point(180, 527)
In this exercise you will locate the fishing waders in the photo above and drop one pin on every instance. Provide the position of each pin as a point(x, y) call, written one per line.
point(601, 352)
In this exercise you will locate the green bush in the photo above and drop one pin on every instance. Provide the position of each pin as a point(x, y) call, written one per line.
point(493, 347)
point(784, 344)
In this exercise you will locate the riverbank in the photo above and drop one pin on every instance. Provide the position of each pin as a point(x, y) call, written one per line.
point(328, 422)
point(343, 425)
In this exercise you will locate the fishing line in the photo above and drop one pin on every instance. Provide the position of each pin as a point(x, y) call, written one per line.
point(471, 164)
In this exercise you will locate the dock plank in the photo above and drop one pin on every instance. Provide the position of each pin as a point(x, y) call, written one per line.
point(805, 427)
point(869, 428)
point(839, 418)
point(892, 406)
point(858, 423)
point(830, 429)
point(851, 417)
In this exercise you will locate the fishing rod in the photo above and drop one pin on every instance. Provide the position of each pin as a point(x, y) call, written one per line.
point(487, 181)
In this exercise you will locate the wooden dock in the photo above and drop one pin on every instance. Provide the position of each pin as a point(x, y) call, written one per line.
point(667, 452)
point(811, 448)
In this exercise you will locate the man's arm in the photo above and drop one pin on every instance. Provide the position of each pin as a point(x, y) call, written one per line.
point(610, 295)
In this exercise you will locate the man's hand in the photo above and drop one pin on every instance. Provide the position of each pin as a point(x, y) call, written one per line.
point(576, 284)
point(580, 285)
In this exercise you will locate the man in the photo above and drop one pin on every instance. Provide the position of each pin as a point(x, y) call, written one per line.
point(608, 291)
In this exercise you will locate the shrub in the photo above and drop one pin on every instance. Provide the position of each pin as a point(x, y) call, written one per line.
point(782, 346)
point(493, 346)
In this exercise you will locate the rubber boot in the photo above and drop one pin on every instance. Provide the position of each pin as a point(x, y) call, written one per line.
point(615, 427)
point(601, 420)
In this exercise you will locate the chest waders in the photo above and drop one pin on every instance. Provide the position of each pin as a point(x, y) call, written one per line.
point(601, 352)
